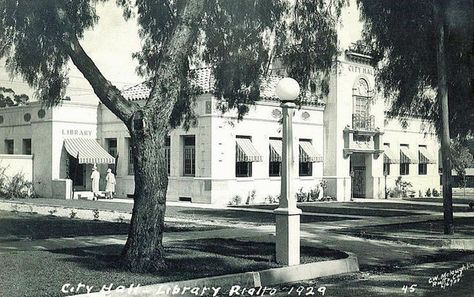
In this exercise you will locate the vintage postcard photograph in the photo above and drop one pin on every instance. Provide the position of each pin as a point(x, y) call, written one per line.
point(236, 148)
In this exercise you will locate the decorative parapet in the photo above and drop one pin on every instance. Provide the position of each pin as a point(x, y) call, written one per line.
point(360, 52)
point(362, 141)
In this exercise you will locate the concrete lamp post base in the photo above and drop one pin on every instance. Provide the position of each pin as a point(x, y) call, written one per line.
point(288, 236)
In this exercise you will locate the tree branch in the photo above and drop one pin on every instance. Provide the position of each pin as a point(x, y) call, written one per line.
point(167, 80)
point(107, 93)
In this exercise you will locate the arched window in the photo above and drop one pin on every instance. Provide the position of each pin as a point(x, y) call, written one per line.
point(361, 118)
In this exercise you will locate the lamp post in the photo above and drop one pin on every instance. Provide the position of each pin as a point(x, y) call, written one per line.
point(287, 214)
point(385, 174)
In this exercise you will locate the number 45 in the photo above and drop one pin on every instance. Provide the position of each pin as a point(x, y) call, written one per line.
point(409, 289)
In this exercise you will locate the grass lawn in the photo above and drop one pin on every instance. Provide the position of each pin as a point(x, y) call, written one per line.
point(35, 272)
point(464, 228)
point(456, 200)
point(32, 226)
point(347, 208)
point(43, 273)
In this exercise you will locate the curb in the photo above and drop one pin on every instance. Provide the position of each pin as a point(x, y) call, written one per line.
point(234, 284)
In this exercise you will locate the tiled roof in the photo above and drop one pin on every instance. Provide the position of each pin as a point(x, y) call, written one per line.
point(137, 92)
point(204, 79)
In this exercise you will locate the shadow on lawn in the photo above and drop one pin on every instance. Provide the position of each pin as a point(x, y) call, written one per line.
point(42, 227)
point(198, 258)
point(33, 226)
point(251, 217)
point(344, 208)
point(395, 265)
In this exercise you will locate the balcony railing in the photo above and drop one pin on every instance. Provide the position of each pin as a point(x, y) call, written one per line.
point(363, 122)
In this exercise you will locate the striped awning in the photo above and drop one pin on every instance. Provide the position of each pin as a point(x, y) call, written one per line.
point(406, 156)
point(308, 153)
point(425, 157)
point(275, 150)
point(87, 151)
point(389, 156)
point(246, 152)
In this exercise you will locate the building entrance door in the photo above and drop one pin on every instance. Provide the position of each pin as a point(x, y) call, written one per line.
point(77, 173)
point(358, 182)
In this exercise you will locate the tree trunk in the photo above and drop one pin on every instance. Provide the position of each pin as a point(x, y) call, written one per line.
point(148, 126)
point(144, 250)
point(439, 20)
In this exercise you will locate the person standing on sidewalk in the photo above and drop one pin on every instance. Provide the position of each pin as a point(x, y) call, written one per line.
point(95, 177)
point(110, 187)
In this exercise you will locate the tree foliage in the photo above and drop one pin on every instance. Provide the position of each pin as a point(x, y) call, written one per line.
point(239, 39)
point(461, 157)
point(402, 35)
point(8, 97)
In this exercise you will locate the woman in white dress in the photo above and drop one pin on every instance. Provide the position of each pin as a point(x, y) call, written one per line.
point(110, 187)
point(95, 177)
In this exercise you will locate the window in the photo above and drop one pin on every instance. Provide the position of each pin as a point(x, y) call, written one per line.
point(404, 168)
point(112, 146)
point(274, 162)
point(9, 146)
point(306, 169)
point(361, 105)
point(423, 160)
point(243, 169)
point(404, 161)
point(26, 149)
point(305, 161)
point(386, 159)
point(422, 168)
point(361, 118)
point(130, 157)
point(274, 169)
point(245, 153)
point(189, 164)
point(168, 153)
point(386, 168)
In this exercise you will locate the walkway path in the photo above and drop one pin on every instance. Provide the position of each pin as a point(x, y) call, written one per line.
point(369, 252)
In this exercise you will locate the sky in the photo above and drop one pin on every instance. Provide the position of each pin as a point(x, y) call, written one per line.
point(113, 40)
point(110, 45)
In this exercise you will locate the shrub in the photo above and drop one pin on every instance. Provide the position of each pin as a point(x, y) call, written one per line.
point(272, 199)
point(95, 213)
point(301, 196)
point(72, 214)
point(15, 187)
point(420, 194)
point(313, 194)
point(52, 211)
point(392, 193)
point(435, 193)
point(428, 192)
point(402, 188)
point(236, 200)
point(3, 182)
point(251, 197)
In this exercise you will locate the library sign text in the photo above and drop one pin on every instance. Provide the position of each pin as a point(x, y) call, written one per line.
point(76, 132)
